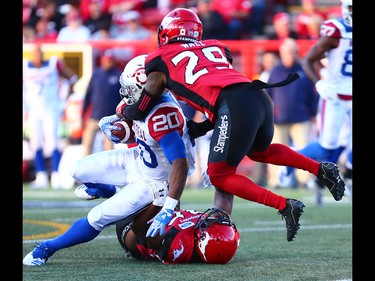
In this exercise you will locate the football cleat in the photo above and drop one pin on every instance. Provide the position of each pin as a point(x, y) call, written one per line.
point(329, 176)
point(291, 213)
point(85, 193)
point(38, 256)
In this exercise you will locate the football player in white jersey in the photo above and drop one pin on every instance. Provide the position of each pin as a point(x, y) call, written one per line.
point(163, 144)
point(42, 111)
point(334, 85)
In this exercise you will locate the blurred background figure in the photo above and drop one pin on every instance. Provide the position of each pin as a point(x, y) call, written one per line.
point(295, 108)
point(268, 60)
point(282, 27)
point(309, 20)
point(128, 26)
point(257, 20)
point(123, 6)
point(214, 25)
point(329, 63)
point(43, 33)
point(101, 98)
point(74, 30)
point(86, 9)
point(42, 105)
point(96, 18)
point(236, 14)
point(45, 11)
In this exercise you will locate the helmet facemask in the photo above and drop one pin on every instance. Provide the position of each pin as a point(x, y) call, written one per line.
point(217, 238)
point(133, 79)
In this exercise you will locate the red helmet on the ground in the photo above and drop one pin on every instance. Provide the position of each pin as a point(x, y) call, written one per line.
point(179, 25)
point(217, 237)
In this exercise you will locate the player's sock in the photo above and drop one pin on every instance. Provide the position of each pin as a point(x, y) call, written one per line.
point(242, 186)
point(103, 190)
point(283, 155)
point(55, 159)
point(39, 161)
point(315, 151)
point(79, 232)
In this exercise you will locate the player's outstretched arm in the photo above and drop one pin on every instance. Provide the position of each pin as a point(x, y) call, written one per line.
point(153, 89)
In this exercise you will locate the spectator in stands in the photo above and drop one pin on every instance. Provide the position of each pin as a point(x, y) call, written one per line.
point(257, 19)
point(295, 106)
point(268, 60)
point(180, 3)
point(84, 7)
point(102, 33)
point(213, 22)
point(122, 6)
point(28, 34)
point(42, 109)
point(97, 19)
point(101, 99)
point(236, 14)
point(128, 27)
point(75, 30)
point(282, 27)
point(43, 33)
point(309, 20)
point(27, 7)
point(47, 11)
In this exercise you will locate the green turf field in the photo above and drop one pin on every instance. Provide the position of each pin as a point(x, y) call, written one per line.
point(322, 249)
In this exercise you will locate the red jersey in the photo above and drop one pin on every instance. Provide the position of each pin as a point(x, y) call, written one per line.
point(196, 72)
point(178, 245)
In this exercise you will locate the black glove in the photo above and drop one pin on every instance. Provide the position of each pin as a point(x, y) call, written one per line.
point(197, 130)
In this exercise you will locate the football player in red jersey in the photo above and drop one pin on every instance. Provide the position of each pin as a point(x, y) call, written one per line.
point(239, 111)
point(191, 236)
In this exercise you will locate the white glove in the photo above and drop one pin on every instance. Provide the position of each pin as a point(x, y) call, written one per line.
point(160, 221)
point(106, 125)
point(206, 180)
point(326, 90)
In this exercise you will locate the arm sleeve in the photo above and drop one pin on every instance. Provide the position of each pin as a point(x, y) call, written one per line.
point(173, 146)
point(140, 109)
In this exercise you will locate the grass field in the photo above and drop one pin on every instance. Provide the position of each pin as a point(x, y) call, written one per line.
point(322, 249)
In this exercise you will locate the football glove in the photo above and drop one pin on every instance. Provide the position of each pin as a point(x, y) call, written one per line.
point(197, 130)
point(160, 221)
point(106, 125)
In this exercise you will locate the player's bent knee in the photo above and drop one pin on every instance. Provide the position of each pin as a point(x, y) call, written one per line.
point(96, 218)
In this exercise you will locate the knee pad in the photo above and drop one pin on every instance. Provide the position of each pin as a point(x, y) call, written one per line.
point(94, 218)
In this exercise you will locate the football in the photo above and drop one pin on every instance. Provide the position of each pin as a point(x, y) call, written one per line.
point(126, 133)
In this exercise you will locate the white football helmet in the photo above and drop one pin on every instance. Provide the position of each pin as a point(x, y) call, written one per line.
point(133, 79)
point(346, 8)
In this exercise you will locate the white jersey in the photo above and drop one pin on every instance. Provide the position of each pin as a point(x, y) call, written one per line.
point(340, 62)
point(165, 117)
point(335, 109)
point(41, 85)
point(143, 171)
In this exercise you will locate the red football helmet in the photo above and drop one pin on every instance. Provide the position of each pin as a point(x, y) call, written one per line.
point(217, 237)
point(180, 25)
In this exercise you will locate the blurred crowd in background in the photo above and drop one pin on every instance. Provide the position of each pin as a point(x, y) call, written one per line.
point(83, 20)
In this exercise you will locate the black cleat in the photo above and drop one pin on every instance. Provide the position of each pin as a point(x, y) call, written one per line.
point(329, 176)
point(291, 214)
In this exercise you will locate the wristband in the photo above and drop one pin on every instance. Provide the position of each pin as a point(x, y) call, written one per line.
point(170, 203)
